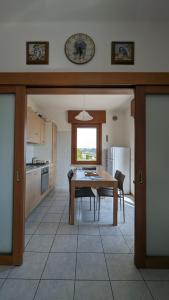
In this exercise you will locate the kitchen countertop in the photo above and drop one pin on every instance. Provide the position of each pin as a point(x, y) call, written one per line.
point(31, 168)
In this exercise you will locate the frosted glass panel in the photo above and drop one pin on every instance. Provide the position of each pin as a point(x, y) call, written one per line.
point(157, 173)
point(7, 110)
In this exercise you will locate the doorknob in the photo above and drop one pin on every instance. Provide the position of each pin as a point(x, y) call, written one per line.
point(141, 177)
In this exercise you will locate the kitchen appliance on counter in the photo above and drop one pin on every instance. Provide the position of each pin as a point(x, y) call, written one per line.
point(36, 161)
point(44, 179)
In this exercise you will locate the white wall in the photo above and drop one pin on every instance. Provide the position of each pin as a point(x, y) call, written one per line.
point(151, 45)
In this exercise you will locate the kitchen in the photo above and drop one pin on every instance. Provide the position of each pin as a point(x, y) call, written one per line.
point(40, 159)
point(48, 133)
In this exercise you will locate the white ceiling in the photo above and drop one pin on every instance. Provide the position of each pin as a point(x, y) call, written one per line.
point(78, 10)
point(51, 103)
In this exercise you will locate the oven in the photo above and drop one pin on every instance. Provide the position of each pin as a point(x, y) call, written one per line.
point(44, 179)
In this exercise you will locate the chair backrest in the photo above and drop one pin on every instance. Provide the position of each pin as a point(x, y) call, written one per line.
point(70, 175)
point(117, 174)
point(121, 181)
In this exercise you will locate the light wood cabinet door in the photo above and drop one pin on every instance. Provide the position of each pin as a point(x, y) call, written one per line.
point(28, 194)
point(37, 129)
point(33, 191)
point(54, 141)
point(54, 146)
point(33, 127)
point(52, 178)
point(42, 131)
point(36, 188)
point(30, 127)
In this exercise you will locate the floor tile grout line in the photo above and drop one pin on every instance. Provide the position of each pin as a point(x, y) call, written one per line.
point(47, 222)
point(45, 265)
point(125, 240)
point(55, 235)
point(5, 279)
point(74, 290)
point(146, 284)
point(94, 252)
point(107, 267)
point(101, 280)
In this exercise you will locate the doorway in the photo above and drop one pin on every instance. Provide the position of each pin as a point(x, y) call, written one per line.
point(119, 126)
point(140, 81)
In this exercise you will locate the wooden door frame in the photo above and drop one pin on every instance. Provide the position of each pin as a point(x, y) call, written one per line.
point(15, 258)
point(74, 83)
point(141, 259)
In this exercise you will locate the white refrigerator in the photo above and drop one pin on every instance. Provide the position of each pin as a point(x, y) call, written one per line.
point(118, 158)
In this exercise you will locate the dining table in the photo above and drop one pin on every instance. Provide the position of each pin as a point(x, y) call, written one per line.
point(99, 179)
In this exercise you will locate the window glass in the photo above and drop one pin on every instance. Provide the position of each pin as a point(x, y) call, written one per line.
point(86, 144)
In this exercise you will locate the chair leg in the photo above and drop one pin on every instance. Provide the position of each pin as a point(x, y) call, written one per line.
point(69, 209)
point(120, 199)
point(90, 204)
point(94, 209)
point(99, 210)
point(123, 209)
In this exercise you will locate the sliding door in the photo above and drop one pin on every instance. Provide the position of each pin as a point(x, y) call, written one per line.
point(152, 177)
point(12, 115)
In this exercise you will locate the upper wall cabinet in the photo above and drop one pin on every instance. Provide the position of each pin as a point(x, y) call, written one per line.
point(35, 128)
point(42, 131)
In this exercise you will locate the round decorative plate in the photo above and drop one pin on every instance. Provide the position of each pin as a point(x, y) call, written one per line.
point(79, 48)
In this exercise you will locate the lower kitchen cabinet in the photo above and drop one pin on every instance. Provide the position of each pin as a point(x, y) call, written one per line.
point(33, 190)
point(52, 175)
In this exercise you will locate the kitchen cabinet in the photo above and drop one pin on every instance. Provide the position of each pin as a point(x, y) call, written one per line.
point(52, 175)
point(42, 131)
point(54, 145)
point(35, 128)
point(33, 190)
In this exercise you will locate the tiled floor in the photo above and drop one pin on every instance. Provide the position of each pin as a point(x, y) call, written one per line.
point(87, 261)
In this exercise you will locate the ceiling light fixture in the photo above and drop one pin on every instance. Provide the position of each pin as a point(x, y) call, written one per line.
point(84, 115)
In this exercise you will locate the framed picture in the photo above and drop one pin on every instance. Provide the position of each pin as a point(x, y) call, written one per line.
point(37, 53)
point(122, 53)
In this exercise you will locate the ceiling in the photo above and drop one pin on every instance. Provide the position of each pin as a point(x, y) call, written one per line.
point(53, 103)
point(78, 10)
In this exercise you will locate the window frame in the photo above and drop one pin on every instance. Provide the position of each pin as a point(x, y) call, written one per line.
point(74, 160)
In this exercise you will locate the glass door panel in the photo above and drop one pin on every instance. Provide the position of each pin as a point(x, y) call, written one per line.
point(157, 175)
point(7, 122)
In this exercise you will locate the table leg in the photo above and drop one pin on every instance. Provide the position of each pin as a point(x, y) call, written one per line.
point(115, 206)
point(72, 204)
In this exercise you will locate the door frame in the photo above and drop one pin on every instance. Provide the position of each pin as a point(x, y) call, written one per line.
point(15, 258)
point(74, 83)
point(141, 259)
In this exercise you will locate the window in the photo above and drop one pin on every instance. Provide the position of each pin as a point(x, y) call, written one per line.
point(86, 143)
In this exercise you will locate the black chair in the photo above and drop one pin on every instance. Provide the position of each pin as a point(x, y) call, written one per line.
point(84, 192)
point(108, 192)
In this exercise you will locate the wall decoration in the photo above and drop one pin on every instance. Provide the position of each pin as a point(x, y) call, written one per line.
point(79, 48)
point(37, 53)
point(122, 53)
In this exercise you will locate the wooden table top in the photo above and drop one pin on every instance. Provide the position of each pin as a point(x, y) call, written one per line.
point(102, 175)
